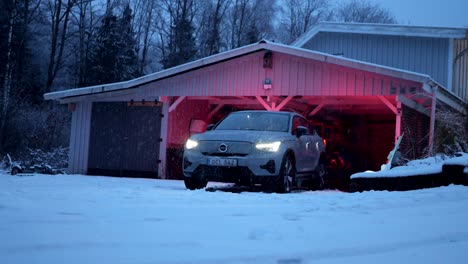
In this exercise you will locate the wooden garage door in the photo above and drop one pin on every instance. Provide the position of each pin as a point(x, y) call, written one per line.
point(124, 140)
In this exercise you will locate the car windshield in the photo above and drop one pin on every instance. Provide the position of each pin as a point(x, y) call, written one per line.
point(261, 121)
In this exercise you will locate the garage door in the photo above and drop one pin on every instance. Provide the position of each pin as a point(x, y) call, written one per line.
point(124, 140)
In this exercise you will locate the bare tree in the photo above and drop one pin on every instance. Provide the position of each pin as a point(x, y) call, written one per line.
point(8, 71)
point(84, 22)
point(363, 11)
point(300, 15)
point(60, 17)
point(249, 21)
point(150, 19)
point(17, 16)
point(212, 14)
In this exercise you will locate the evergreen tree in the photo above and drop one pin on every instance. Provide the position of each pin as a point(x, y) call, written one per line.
point(114, 57)
point(127, 59)
point(181, 46)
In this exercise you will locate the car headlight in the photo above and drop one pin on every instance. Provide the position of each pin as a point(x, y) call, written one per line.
point(190, 144)
point(272, 147)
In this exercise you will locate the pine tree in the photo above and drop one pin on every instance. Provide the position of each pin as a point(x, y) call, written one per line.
point(127, 57)
point(181, 46)
point(114, 55)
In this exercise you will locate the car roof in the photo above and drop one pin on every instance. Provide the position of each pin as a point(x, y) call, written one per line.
point(266, 111)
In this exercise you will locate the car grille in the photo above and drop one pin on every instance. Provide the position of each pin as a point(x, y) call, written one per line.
point(224, 154)
point(225, 148)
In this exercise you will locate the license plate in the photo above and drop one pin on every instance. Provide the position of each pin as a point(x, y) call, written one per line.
point(222, 162)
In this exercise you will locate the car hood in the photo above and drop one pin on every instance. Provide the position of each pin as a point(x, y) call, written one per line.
point(242, 135)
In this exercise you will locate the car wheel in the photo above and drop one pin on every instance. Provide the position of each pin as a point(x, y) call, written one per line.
point(194, 183)
point(317, 181)
point(287, 174)
point(189, 183)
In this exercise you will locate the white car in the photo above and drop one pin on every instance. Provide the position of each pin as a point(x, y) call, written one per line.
point(273, 148)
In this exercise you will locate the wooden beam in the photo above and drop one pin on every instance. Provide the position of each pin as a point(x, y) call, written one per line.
point(234, 101)
point(342, 101)
point(265, 104)
point(215, 110)
point(176, 103)
point(144, 103)
point(412, 104)
point(388, 103)
point(316, 109)
point(283, 103)
point(214, 98)
point(164, 99)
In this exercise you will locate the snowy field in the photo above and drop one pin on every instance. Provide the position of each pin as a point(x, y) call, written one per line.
point(84, 219)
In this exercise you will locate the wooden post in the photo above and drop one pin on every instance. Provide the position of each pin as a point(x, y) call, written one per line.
point(432, 121)
point(163, 145)
point(399, 113)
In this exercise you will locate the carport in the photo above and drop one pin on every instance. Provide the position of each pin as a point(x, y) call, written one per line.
point(361, 106)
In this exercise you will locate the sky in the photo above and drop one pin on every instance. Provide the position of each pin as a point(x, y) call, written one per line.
point(443, 13)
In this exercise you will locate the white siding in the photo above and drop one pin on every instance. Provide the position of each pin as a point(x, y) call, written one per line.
point(460, 69)
point(79, 138)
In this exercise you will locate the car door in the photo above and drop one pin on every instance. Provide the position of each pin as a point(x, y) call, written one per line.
point(318, 146)
point(301, 146)
point(310, 149)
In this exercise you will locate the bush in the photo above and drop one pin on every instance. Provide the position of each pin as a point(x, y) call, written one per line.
point(56, 158)
point(451, 133)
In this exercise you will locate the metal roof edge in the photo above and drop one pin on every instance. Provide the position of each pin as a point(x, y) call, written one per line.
point(381, 29)
point(446, 96)
point(157, 75)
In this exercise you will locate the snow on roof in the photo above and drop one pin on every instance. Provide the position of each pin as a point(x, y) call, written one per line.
point(382, 29)
point(427, 166)
point(426, 80)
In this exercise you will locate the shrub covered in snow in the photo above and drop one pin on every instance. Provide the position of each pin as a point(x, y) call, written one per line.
point(451, 134)
point(56, 157)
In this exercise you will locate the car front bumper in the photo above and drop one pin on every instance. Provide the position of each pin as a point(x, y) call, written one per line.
point(260, 164)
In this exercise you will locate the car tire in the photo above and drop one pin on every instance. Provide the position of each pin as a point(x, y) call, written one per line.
point(194, 183)
point(287, 174)
point(318, 180)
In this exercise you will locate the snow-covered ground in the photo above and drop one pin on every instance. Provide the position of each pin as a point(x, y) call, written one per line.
point(85, 219)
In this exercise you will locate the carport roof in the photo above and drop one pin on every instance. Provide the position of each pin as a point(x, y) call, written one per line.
point(382, 29)
point(428, 83)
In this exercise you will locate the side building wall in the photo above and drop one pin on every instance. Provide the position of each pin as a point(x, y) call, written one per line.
point(460, 68)
point(417, 54)
point(79, 138)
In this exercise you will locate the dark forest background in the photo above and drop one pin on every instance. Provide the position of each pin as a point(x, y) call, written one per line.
point(52, 45)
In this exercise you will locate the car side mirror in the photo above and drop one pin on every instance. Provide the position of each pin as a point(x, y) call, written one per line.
point(210, 127)
point(301, 130)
